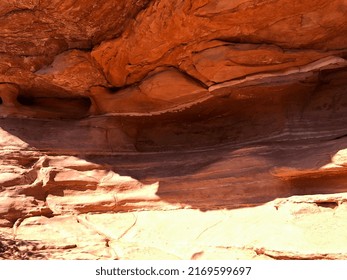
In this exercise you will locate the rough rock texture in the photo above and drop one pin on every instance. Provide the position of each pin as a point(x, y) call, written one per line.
point(159, 129)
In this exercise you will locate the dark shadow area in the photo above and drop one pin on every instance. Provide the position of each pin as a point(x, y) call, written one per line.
point(229, 177)
point(331, 205)
point(26, 100)
point(56, 108)
point(324, 183)
point(218, 154)
point(14, 249)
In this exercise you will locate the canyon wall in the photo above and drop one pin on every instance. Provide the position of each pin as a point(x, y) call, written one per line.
point(159, 129)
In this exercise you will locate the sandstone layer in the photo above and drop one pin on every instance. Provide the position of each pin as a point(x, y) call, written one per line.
point(160, 129)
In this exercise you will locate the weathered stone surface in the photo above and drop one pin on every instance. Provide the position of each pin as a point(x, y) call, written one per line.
point(53, 26)
point(168, 32)
point(173, 129)
point(232, 61)
point(164, 91)
point(73, 71)
point(35, 33)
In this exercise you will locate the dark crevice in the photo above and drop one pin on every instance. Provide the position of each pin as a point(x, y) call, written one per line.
point(18, 11)
point(327, 204)
point(66, 108)
point(26, 100)
point(114, 89)
point(0, 100)
point(87, 48)
point(340, 137)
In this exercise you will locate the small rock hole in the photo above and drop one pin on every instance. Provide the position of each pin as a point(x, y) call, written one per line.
point(0, 100)
point(327, 204)
point(26, 100)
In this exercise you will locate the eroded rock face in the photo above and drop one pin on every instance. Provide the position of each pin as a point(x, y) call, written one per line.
point(149, 129)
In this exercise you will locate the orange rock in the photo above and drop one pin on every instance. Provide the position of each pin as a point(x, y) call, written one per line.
point(206, 129)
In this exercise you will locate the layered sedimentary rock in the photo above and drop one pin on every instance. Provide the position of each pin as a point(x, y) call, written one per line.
point(173, 129)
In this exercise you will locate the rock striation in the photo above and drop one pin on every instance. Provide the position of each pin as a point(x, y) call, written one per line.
point(158, 129)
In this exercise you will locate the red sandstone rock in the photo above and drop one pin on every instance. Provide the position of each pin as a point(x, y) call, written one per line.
point(149, 129)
